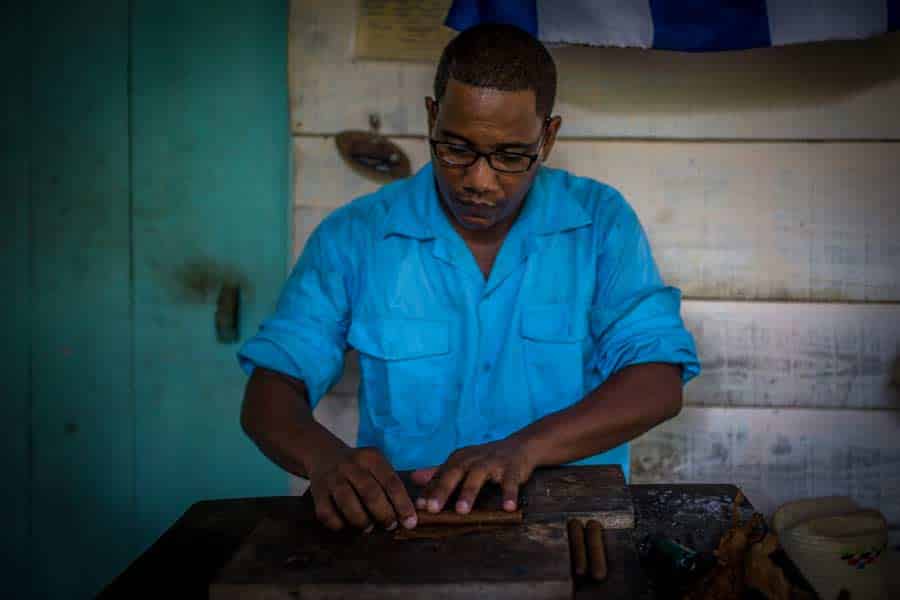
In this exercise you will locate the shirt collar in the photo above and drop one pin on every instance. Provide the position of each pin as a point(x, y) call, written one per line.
point(411, 206)
point(549, 208)
point(415, 207)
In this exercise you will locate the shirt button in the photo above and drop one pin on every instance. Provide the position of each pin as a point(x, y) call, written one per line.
point(487, 366)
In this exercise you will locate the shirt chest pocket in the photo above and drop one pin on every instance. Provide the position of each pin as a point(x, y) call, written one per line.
point(552, 346)
point(407, 371)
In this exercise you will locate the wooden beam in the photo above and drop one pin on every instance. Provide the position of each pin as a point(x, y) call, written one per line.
point(795, 355)
point(792, 221)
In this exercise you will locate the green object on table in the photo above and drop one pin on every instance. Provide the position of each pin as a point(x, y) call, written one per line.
point(675, 562)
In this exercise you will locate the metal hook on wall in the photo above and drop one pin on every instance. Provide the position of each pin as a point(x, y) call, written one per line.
point(227, 313)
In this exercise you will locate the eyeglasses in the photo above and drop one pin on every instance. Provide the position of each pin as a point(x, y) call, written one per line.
point(459, 156)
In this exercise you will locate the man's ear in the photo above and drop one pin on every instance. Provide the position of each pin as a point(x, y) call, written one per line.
point(431, 108)
point(550, 138)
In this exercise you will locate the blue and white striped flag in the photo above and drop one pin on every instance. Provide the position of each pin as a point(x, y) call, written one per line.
point(686, 25)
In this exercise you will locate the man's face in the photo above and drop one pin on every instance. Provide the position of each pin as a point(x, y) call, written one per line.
point(479, 197)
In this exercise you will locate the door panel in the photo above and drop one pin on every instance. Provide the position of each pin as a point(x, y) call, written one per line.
point(211, 201)
point(82, 418)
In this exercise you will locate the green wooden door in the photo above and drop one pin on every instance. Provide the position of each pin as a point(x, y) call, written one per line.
point(146, 163)
point(211, 206)
point(82, 413)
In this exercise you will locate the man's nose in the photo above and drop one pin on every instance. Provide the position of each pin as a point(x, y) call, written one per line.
point(481, 177)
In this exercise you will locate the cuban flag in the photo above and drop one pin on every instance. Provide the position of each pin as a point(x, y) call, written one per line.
point(687, 25)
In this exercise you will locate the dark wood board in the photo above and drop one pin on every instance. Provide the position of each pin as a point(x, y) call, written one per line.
point(297, 555)
point(696, 515)
point(198, 545)
point(530, 561)
point(585, 492)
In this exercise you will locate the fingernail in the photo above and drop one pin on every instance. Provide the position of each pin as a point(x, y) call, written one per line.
point(392, 526)
point(420, 502)
point(462, 506)
point(410, 522)
point(509, 505)
point(369, 529)
point(433, 506)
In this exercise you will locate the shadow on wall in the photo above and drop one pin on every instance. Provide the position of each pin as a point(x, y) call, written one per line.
point(197, 281)
point(628, 80)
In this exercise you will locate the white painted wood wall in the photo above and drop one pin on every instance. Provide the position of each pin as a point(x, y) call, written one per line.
point(769, 185)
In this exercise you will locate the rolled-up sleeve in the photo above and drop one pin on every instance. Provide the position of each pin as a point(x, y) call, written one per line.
point(306, 336)
point(635, 317)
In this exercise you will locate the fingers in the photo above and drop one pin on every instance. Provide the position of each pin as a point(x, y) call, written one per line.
point(510, 486)
point(362, 490)
point(441, 486)
point(404, 510)
point(348, 503)
point(326, 511)
point(372, 495)
point(472, 485)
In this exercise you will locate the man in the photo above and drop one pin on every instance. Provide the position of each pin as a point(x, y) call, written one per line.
point(507, 315)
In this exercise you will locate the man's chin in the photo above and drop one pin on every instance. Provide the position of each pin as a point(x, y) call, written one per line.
point(474, 223)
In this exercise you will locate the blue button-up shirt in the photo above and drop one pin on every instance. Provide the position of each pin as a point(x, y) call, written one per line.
point(450, 359)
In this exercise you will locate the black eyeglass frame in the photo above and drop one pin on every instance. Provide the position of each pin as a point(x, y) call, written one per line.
point(487, 155)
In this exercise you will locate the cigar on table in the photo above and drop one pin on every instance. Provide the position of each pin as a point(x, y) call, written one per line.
point(577, 546)
point(476, 517)
point(596, 550)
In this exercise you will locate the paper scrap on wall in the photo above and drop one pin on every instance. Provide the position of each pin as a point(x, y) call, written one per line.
point(402, 30)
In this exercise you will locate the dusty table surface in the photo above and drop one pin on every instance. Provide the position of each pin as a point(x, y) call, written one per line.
point(188, 555)
point(529, 560)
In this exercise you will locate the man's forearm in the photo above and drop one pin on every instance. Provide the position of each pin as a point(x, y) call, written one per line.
point(628, 404)
point(277, 417)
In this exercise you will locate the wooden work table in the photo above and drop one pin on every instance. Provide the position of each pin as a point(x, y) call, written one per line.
point(186, 558)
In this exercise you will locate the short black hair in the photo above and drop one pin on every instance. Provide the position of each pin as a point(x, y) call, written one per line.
point(500, 57)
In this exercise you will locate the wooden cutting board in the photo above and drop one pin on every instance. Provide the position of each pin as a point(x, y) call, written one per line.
point(299, 558)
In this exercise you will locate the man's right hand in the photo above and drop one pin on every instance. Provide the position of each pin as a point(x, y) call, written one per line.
point(356, 485)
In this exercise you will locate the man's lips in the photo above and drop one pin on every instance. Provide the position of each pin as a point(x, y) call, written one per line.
point(471, 209)
point(474, 219)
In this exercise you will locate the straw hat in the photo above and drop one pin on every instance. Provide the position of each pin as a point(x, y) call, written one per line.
point(791, 513)
point(836, 545)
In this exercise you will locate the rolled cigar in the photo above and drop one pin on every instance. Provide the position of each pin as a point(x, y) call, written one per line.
point(476, 517)
point(576, 546)
point(596, 551)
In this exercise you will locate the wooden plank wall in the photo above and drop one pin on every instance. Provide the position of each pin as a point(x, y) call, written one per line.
point(809, 91)
point(727, 220)
point(777, 455)
point(768, 187)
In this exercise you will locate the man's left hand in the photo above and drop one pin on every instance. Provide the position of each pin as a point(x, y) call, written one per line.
point(505, 462)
